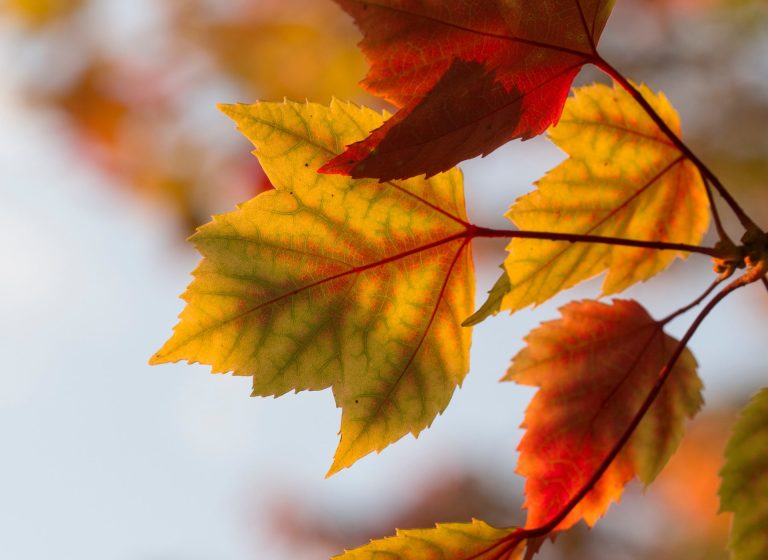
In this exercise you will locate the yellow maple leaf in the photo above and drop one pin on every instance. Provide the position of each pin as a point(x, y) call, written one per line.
point(328, 281)
point(624, 178)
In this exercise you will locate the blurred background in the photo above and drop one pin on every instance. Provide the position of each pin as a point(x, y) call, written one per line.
point(112, 152)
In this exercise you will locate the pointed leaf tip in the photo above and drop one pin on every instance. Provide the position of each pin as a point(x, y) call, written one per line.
point(229, 109)
point(493, 303)
point(446, 541)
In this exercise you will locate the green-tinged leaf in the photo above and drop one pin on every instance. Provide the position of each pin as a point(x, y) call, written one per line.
point(448, 541)
point(333, 282)
point(623, 179)
point(594, 368)
point(492, 304)
point(745, 481)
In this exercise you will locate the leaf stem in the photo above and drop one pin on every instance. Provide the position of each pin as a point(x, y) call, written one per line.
point(699, 299)
point(475, 231)
point(619, 78)
point(722, 234)
point(515, 538)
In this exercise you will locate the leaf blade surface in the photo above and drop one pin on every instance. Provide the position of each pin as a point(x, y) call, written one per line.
point(594, 367)
point(745, 480)
point(330, 282)
point(468, 76)
point(624, 179)
point(447, 541)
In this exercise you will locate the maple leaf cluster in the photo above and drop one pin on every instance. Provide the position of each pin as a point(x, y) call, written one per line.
point(355, 273)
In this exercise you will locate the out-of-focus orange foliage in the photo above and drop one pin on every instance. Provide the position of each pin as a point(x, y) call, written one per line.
point(131, 110)
point(125, 118)
point(689, 483)
point(296, 48)
point(94, 106)
point(36, 13)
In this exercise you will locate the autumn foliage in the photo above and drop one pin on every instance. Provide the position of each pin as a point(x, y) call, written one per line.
point(355, 272)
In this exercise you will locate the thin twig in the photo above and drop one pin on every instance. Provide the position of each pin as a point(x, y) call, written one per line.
point(475, 231)
point(722, 234)
point(745, 220)
point(699, 299)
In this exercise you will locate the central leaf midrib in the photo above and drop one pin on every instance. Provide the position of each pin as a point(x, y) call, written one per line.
point(354, 270)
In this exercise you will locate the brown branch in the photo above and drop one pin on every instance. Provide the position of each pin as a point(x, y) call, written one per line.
point(474, 231)
point(722, 234)
point(722, 277)
point(617, 76)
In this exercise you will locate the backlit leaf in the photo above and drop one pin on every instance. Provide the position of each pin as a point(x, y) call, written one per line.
point(745, 481)
point(328, 281)
point(468, 76)
point(623, 179)
point(493, 302)
point(448, 541)
point(594, 368)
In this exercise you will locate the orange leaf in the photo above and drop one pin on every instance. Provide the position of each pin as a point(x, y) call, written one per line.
point(595, 367)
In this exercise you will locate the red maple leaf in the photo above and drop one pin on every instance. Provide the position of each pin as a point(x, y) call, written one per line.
point(468, 76)
point(594, 368)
